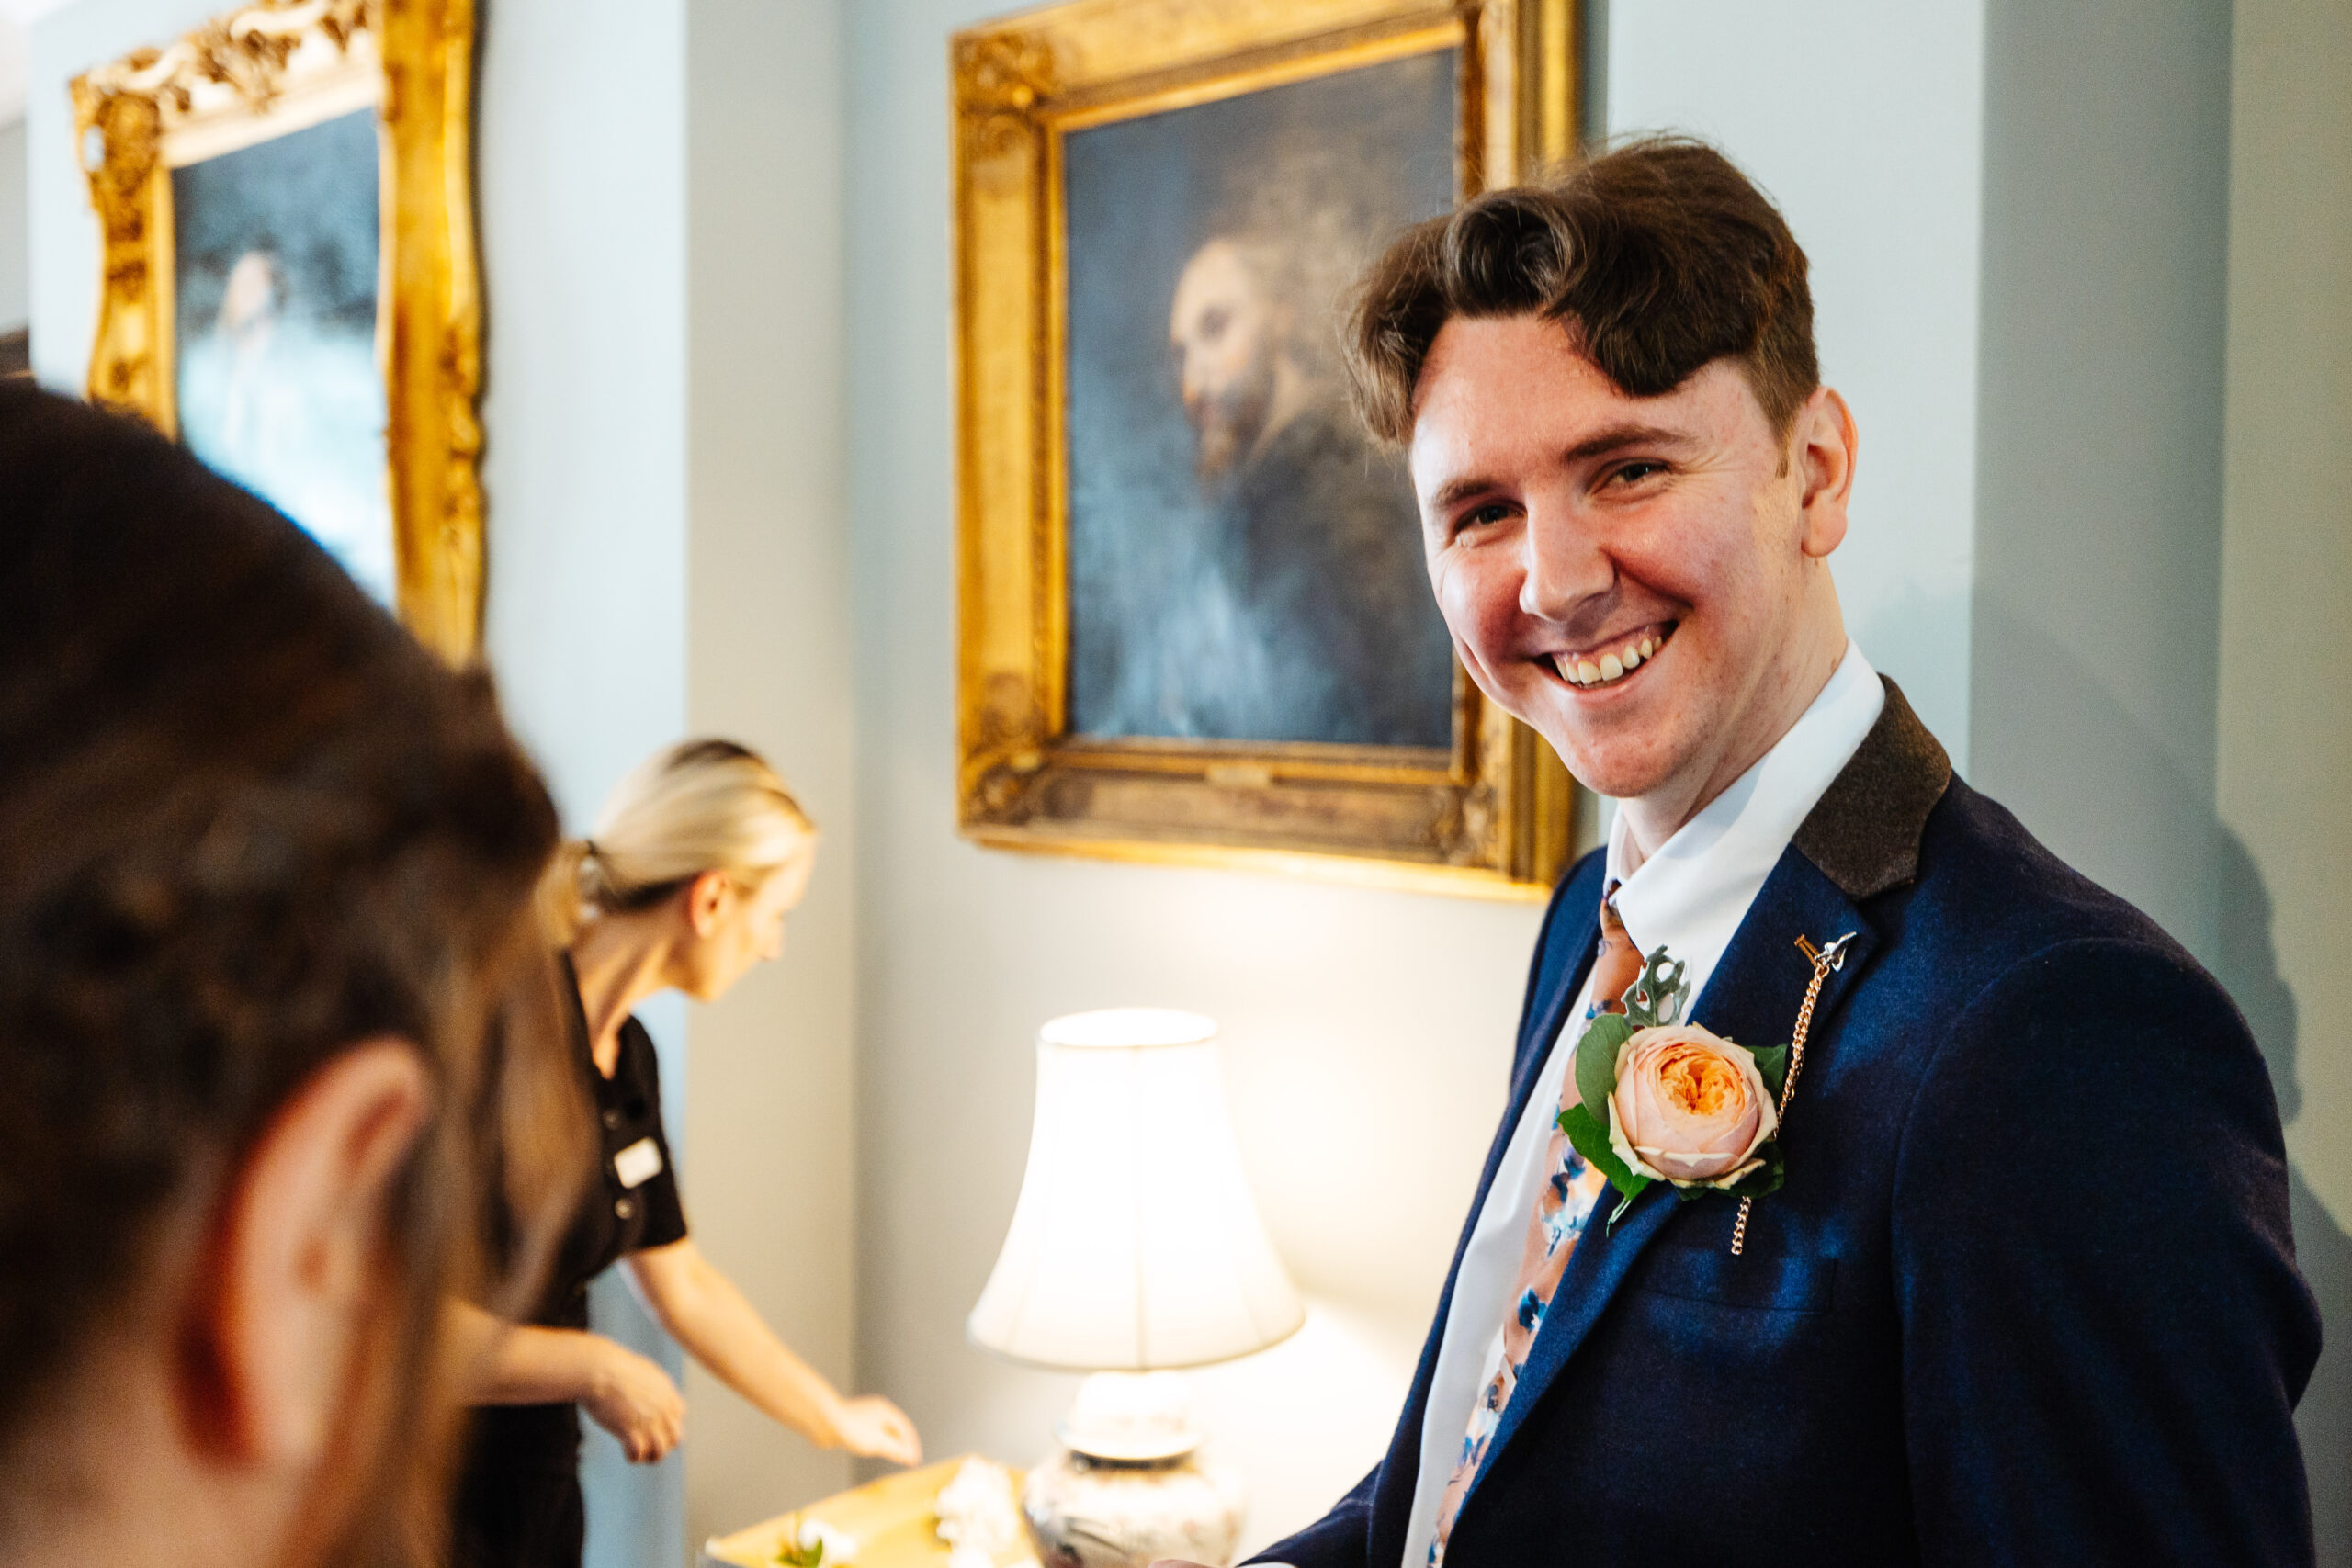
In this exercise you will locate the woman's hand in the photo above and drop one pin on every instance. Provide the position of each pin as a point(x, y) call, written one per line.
point(873, 1427)
point(703, 1312)
point(634, 1400)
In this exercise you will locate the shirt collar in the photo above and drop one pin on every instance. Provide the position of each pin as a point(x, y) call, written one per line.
point(1691, 895)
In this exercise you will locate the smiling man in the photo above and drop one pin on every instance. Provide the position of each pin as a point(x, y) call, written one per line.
point(2026, 1292)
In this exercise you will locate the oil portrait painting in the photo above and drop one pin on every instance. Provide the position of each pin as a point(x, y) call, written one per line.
point(1244, 564)
point(1195, 617)
point(277, 248)
point(289, 283)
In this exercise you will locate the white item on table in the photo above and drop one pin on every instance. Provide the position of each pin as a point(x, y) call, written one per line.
point(978, 1514)
point(840, 1545)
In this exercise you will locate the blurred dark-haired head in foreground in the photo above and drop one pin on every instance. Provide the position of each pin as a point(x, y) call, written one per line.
point(274, 1022)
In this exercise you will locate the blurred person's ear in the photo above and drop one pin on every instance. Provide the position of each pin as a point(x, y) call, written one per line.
point(299, 1262)
point(708, 898)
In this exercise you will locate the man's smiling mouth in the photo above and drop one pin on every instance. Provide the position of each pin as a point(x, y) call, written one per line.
point(1607, 663)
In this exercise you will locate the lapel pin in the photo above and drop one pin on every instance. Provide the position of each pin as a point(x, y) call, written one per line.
point(1823, 959)
point(1834, 955)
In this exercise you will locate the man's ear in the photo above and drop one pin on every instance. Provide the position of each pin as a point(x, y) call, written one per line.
point(298, 1260)
point(1825, 445)
point(707, 900)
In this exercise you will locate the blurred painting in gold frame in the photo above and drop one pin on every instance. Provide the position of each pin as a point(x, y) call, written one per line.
point(1096, 716)
point(289, 277)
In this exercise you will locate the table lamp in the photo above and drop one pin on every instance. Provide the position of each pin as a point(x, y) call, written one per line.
point(1134, 1251)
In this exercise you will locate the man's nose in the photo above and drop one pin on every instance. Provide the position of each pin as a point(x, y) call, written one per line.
point(1564, 564)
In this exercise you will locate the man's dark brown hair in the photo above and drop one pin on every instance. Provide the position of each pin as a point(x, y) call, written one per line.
point(1657, 258)
point(246, 822)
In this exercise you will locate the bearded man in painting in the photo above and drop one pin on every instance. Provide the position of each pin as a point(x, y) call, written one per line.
point(1996, 1267)
point(1311, 530)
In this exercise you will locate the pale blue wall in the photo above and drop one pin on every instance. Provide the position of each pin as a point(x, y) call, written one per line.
point(2099, 467)
point(768, 656)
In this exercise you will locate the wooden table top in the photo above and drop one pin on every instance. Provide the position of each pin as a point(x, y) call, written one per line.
point(891, 1519)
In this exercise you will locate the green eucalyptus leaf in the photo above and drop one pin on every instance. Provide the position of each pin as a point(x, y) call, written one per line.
point(1596, 1062)
point(1590, 1136)
point(1772, 1061)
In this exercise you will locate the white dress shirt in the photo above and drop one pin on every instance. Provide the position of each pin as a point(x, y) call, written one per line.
point(1691, 896)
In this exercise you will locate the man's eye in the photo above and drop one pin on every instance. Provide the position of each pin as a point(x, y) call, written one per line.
point(1633, 473)
point(1485, 516)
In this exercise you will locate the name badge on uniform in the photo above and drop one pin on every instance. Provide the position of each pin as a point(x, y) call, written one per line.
point(637, 1164)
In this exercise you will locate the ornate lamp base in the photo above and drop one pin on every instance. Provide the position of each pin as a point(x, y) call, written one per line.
point(1128, 1487)
point(1092, 1513)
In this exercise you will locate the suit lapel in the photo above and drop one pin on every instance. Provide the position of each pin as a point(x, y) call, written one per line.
point(1753, 999)
point(1548, 1005)
point(1549, 1008)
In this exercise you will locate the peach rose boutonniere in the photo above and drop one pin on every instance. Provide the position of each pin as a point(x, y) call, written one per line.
point(1664, 1100)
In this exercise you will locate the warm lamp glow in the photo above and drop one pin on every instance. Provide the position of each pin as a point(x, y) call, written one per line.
point(1135, 1244)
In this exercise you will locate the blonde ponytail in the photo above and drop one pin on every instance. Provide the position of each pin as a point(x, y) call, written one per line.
point(560, 899)
point(696, 806)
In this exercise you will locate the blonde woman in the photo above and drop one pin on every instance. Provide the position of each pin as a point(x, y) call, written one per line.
point(699, 856)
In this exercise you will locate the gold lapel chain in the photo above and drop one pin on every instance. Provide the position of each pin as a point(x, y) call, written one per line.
point(1823, 959)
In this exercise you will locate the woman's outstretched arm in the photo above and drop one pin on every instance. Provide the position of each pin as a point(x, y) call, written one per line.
point(622, 1392)
point(703, 1312)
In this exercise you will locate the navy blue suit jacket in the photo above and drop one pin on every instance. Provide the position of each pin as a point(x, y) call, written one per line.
point(2028, 1296)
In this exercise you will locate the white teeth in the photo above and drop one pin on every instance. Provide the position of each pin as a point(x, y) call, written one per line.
point(1613, 665)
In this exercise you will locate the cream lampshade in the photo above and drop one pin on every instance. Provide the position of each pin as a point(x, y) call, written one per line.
point(1134, 1249)
point(1135, 1244)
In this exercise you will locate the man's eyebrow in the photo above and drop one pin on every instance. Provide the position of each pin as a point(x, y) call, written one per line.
point(1455, 491)
point(1620, 436)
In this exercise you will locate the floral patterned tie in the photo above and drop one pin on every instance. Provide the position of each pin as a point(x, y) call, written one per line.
point(1571, 1188)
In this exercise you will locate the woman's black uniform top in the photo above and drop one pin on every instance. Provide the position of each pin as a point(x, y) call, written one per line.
point(630, 1203)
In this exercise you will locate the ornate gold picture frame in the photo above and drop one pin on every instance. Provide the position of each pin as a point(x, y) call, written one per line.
point(1057, 756)
point(277, 69)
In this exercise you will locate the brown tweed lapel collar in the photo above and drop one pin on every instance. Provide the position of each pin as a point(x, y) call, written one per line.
point(1864, 832)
